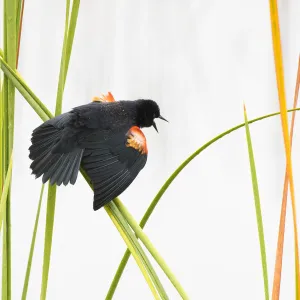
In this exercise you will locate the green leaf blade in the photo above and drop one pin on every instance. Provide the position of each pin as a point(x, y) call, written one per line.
point(10, 53)
point(31, 252)
point(111, 208)
point(5, 192)
point(48, 238)
point(6, 288)
point(155, 254)
point(52, 189)
point(257, 208)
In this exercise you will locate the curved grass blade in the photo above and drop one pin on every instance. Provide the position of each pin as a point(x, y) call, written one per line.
point(280, 241)
point(257, 207)
point(143, 237)
point(28, 269)
point(284, 123)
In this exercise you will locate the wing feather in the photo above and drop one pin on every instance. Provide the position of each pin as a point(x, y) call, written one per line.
point(113, 165)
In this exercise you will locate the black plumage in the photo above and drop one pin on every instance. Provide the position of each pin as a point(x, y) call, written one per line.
point(102, 137)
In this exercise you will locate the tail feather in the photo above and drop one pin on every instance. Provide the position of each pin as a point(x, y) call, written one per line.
point(57, 167)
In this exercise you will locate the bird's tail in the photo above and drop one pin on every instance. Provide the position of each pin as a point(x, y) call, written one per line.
point(58, 167)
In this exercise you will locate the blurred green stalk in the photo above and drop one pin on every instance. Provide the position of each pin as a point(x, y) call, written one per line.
point(8, 98)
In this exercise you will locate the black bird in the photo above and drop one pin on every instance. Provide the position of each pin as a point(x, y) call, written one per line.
point(104, 137)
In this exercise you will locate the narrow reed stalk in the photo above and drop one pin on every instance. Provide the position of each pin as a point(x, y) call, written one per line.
point(51, 200)
point(10, 53)
point(259, 219)
point(4, 194)
point(29, 262)
point(155, 254)
point(280, 241)
point(285, 130)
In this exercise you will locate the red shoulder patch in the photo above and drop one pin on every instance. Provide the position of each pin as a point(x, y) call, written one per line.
point(104, 98)
point(137, 140)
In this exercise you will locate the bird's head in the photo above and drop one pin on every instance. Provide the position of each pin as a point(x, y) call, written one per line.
point(147, 111)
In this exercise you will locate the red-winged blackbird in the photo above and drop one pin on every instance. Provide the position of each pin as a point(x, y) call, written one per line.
point(104, 137)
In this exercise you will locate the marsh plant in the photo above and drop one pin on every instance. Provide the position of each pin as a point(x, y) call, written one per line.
point(130, 230)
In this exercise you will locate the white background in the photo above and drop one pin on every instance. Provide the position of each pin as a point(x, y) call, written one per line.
point(199, 60)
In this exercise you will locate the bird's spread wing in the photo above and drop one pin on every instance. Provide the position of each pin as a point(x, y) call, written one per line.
point(113, 164)
point(59, 167)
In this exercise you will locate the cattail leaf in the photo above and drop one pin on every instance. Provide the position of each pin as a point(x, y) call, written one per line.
point(4, 194)
point(155, 254)
point(111, 208)
point(29, 262)
point(134, 253)
point(257, 208)
point(280, 240)
point(51, 200)
point(285, 130)
point(10, 54)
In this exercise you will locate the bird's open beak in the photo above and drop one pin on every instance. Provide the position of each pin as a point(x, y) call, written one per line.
point(162, 118)
point(154, 125)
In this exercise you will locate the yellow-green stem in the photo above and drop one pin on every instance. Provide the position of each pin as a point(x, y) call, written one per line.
point(10, 41)
point(143, 237)
point(51, 200)
point(5, 192)
point(28, 269)
point(259, 219)
point(134, 253)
